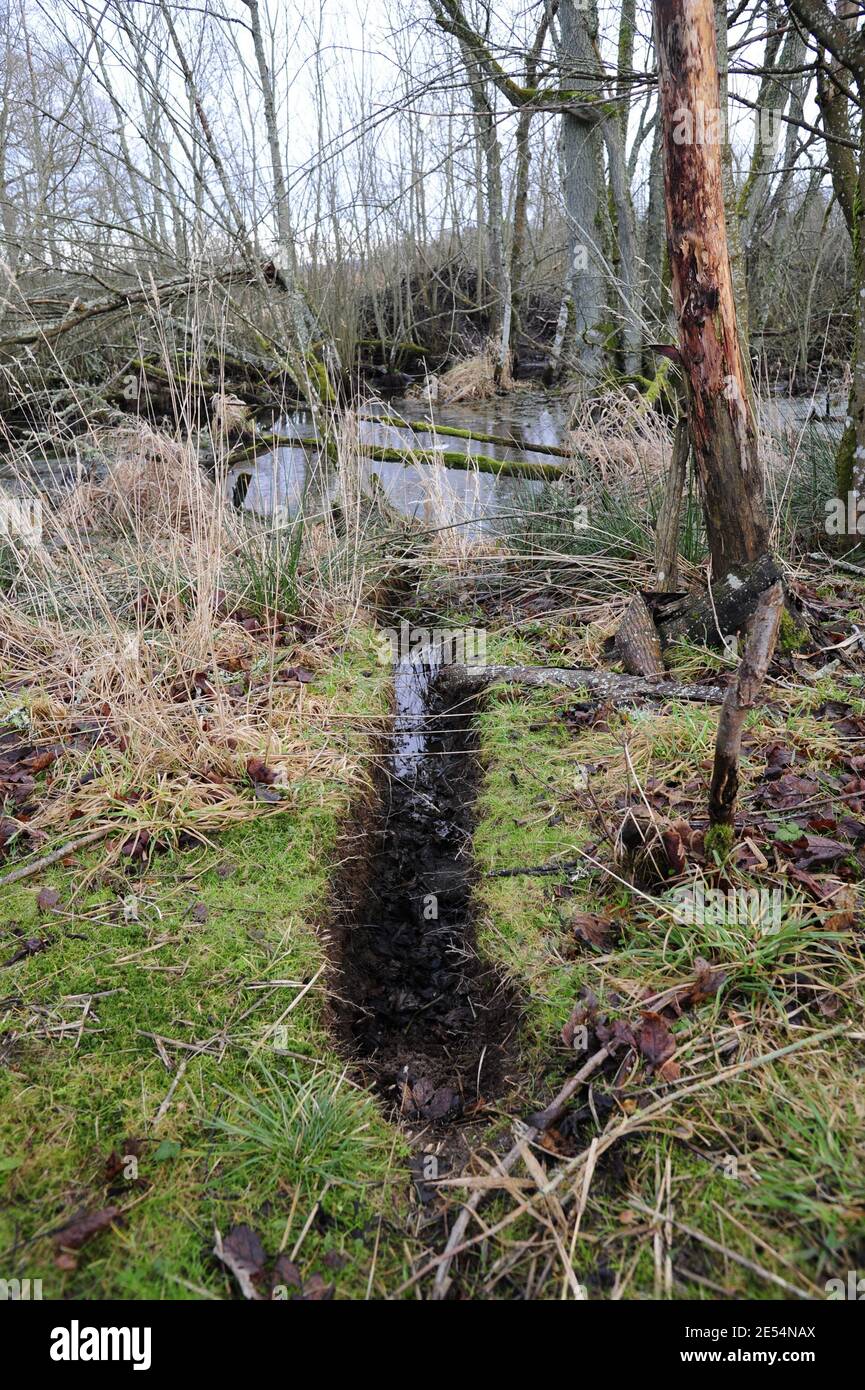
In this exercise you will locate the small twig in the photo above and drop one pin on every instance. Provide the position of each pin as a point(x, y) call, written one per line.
point(567, 866)
point(27, 870)
point(837, 564)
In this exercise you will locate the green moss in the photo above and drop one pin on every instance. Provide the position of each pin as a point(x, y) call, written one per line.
point(792, 636)
point(719, 841)
point(210, 950)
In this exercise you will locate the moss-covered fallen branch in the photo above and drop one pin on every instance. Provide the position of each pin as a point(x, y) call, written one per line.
point(431, 427)
point(484, 463)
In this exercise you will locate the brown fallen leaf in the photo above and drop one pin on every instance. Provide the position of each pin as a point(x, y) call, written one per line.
point(286, 1272)
point(592, 928)
point(258, 771)
point(709, 980)
point(243, 1255)
point(674, 848)
point(78, 1232)
point(47, 899)
point(842, 909)
point(811, 850)
point(316, 1290)
point(655, 1040)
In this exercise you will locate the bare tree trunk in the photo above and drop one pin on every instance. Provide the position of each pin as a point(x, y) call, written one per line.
point(735, 249)
point(582, 311)
point(316, 377)
point(723, 433)
point(656, 291)
point(616, 141)
point(493, 288)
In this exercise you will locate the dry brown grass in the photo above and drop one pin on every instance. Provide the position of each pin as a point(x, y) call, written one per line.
point(626, 444)
point(473, 379)
point(148, 482)
point(124, 640)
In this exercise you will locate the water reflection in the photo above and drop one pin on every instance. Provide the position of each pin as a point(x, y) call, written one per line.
point(413, 676)
point(439, 495)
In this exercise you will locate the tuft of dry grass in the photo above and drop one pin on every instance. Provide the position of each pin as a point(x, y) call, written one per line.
point(626, 444)
point(152, 666)
point(475, 379)
point(144, 480)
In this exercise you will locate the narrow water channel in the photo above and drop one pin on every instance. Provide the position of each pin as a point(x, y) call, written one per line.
point(419, 1008)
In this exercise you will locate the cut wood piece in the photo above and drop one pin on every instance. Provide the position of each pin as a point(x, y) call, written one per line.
point(721, 613)
point(740, 698)
point(638, 645)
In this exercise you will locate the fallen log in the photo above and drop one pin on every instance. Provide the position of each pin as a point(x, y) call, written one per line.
point(605, 684)
point(431, 427)
point(505, 468)
point(81, 311)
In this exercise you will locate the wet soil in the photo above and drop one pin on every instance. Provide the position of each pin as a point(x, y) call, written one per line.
point(430, 1021)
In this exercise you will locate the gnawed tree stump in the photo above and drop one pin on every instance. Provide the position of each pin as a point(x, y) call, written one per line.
point(722, 612)
point(740, 698)
point(638, 645)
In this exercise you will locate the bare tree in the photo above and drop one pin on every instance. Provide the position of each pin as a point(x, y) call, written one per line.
point(723, 432)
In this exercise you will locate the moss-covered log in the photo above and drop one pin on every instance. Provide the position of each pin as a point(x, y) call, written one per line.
point(451, 431)
point(506, 468)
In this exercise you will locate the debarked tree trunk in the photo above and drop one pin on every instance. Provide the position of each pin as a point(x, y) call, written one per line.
point(722, 427)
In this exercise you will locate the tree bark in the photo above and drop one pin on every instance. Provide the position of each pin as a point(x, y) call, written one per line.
point(838, 32)
point(638, 646)
point(580, 321)
point(723, 431)
point(720, 614)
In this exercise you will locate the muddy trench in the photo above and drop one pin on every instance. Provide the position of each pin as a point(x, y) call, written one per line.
point(429, 1021)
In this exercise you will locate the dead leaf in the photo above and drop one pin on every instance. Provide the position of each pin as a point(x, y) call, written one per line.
point(47, 899)
point(78, 1232)
point(243, 1255)
point(811, 850)
point(592, 928)
point(316, 1290)
point(655, 1040)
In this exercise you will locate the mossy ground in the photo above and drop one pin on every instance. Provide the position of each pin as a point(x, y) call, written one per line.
point(759, 1179)
point(213, 946)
